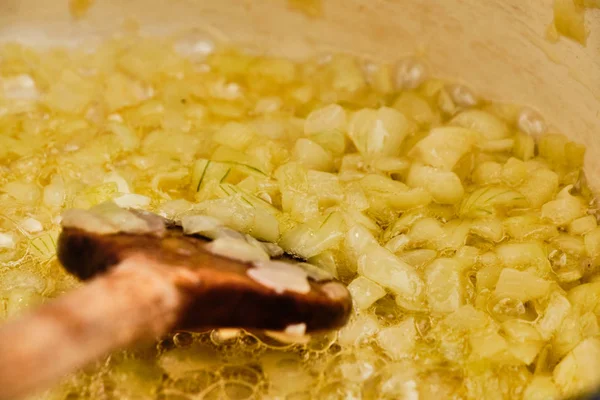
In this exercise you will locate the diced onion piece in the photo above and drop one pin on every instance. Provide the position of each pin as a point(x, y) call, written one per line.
point(526, 352)
point(244, 213)
point(316, 273)
point(20, 87)
point(325, 186)
point(531, 123)
point(122, 185)
point(288, 338)
point(569, 20)
point(235, 135)
point(586, 298)
point(378, 132)
point(455, 235)
point(540, 187)
point(54, 193)
point(309, 239)
point(556, 311)
point(391, 164)
point(418, 258)
point(387, 193)
point(7, 241)
point(577, 372)
point(483, 202)
point(530, 227)
point(327, 262)
point(108, 218)
point(571, 245)
point(24, 192)
point(490, 126)
point(271, 249)
point(398, 341)
point(524, 255)
point(444, 186)
point(312, 156)
point(444, 285)
point(70, 93)
point(541, 388)
point(325, 119)
point(200, 224)
point(521, 285)
point(490, 228)
point(356, 242)
point(591, 241)
point(82, 219)
point(462, 95)
point(236, 249)
point(524, 147)
point(525, 342)
point(514, 172)
point(32, 225)
point(426, 230)
point(296, 329)
point(280, 276)
point(332, 141)
point(497, 146)
point(365, 292)
point(487, 345)
point(467, 256)
point(564, 209)
point(225, 334)
point(132, 200)
point(336, 291)
point(414, 106)
point(572, 331)
point(173, 209)
point(383, 267)
point(467, 318)
point(582, 225)
point(408, 199)
point(379, 77)
point(487, 276)
point(410, 73)
point(397, 243)
point(125, 135)
point(520, 331)
point(446, 104)
point(487, 173)
point(444, 146)
point(357, 330)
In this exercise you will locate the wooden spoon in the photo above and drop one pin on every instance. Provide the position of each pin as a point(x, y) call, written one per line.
point(142, 286)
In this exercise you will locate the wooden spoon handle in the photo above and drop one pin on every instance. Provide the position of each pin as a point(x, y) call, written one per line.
point(137, 300)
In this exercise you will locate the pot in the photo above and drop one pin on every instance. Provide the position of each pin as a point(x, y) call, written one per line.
point(499, 48)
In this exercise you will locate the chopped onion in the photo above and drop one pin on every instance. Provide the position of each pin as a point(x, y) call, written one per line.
point(32, 225)
point(237, 249)
point(280, 276)
point(410, 74)
point(398, 341)
point(365, 292)
point(315, 273)
point(202, 224)
point(7, 241)
point(132, 200)
point(531, 123)
point(107, 218)
point(288, 338)
point(122, 185)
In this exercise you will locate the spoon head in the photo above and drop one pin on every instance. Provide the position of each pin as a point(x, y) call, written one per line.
point(230, 293)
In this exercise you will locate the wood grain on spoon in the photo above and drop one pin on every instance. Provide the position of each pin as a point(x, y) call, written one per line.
point(143, 286)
